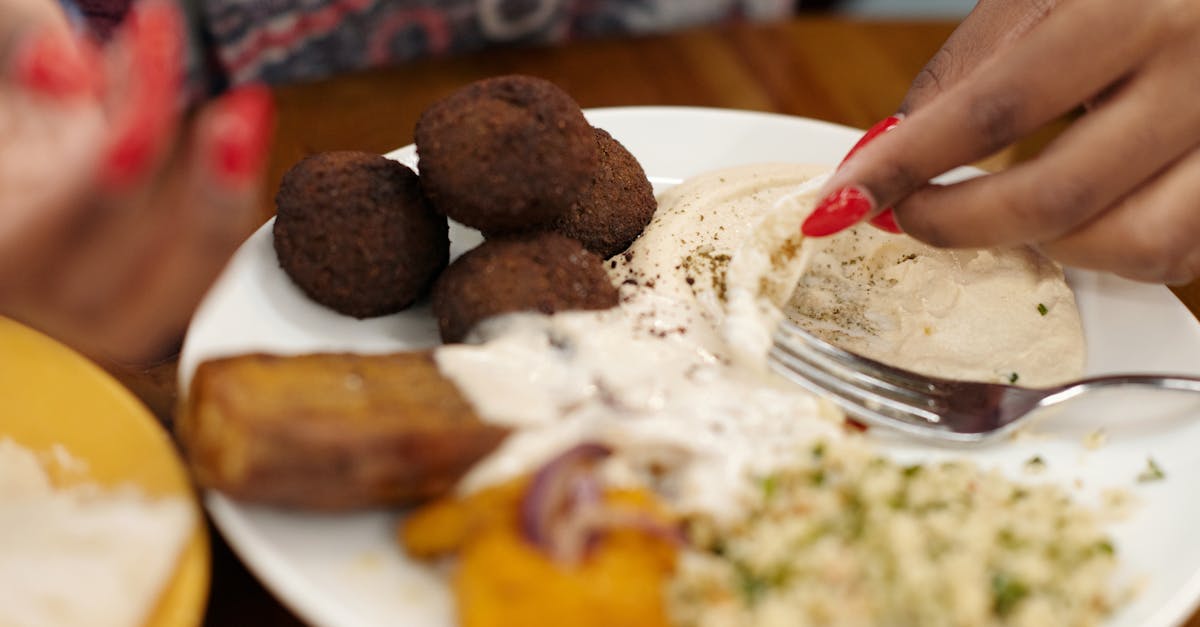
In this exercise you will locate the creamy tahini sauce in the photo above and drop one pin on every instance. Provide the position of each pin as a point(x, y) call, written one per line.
point(703, 225)
point(685, 422)
point(653, 377)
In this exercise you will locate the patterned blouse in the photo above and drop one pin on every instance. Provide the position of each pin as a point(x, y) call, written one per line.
point(239, 41)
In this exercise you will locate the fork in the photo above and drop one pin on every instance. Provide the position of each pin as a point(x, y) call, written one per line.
point(930, 408)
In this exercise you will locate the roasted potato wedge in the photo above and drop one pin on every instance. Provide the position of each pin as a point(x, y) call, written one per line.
point(330, 431)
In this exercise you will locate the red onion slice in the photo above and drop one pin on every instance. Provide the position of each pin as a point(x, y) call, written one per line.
point(564, 514)
point(554, 491)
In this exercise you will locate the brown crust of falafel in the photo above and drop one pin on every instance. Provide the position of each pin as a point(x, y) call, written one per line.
point(544, 272)
point(612, 211)
point(354, 232)
point(505, 154)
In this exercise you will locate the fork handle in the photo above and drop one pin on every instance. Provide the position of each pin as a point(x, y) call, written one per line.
point(1157, 381)
point(1173, 382)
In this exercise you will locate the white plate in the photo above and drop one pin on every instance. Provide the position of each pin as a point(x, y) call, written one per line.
point(347, 570)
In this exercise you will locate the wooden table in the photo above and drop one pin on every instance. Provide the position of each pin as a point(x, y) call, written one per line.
point(844, 71)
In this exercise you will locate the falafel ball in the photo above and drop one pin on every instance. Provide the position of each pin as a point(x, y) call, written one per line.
point(354, 232)
point(616, 207)
point(505, 154)
point(545, 272)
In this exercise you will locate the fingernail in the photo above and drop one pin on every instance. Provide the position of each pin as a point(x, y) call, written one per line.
point(837, 211)
point(53, 65)
point(129, 154)
point(880, 128)
point(886, 221)
point(241, 134)
point(156, 31)
point(153, 31)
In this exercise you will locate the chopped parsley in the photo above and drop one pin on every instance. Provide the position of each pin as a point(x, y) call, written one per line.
point(1042, 309)
point(751, 586)
point(1009, 540)
point(1007, 592)
point(770, 486)
point(1152, 472)
point(1035, 463)
point(754, 586)
point(1012, 378)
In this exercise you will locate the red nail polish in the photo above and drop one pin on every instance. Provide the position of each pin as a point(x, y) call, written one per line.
point(153, 33)
point(837, 211)
point(886, 221)
point(241, 134)
point(140, 128)
point(156, 37)
point(53, 65)
point(880, 128)
point(128, 156)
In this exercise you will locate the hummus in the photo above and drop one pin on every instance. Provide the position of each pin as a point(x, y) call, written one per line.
point(728, 243)
point(987, 315)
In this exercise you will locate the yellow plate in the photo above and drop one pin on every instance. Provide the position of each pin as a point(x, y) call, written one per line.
point(50, 394)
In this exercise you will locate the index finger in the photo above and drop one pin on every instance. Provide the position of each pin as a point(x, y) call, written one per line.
point(1076, 52)
point(992, 26)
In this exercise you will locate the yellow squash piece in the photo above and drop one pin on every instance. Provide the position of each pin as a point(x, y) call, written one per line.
point(502, 580)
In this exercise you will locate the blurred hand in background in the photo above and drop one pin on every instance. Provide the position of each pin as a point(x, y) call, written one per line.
point(117, 211)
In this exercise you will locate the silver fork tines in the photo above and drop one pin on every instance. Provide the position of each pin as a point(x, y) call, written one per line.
point(928, 407)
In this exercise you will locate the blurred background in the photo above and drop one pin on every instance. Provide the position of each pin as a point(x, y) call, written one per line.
point(907, 8)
